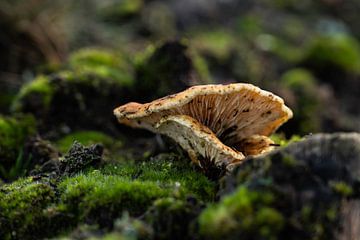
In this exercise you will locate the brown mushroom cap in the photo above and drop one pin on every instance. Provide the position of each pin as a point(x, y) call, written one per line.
point(232, 112)
point(199, 141)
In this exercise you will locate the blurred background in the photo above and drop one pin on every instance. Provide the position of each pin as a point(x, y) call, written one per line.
point(69, 63)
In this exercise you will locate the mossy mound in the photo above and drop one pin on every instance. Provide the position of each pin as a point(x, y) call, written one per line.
point(70, 101)
point(23, 209)
point(79, 194)
point(102, 63)
point(13, 133)
point(168, 170)
point(338, 51)
point(99, 198)
point(290, 193)
point(81, 96)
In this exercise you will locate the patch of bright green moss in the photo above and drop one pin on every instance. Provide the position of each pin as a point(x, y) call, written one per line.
point(101, 63)
point(103, 197)
point(121, 10)
point(282, 141)
point(342, 188)
point(40, 88)
point(169, 170)
point(217, 43)
point(338, 50)
point(244, 213)
point(22, 209)
point(85, 138)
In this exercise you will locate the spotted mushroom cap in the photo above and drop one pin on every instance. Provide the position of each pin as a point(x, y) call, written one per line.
point(232, 112)
point(199, 141)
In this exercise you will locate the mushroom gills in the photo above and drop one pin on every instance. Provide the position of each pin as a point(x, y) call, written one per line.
point(198, 140)
point(255, 145)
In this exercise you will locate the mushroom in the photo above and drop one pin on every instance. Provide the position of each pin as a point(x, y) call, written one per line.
point(202, 145)
point(238, 115)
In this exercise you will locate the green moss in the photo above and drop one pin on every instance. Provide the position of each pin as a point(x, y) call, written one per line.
point(119, 11)
point(244, 213)
point(40, 88)
point(282, 141)
point(102, 63)
point(219, 44)
point(338, 50)
point(102, 198)
point(22, 209)
point(85, 138)
point(169, 170)
point(342, 188)
point(13, 133)
point(282, 49)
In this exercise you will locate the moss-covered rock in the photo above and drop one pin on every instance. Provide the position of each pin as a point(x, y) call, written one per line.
point(13, 133)
point(81, 97)
point(79, 158)
point(23, 209)
point(303, 190)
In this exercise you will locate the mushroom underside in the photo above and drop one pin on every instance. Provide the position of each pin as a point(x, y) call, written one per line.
point(202, 145)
